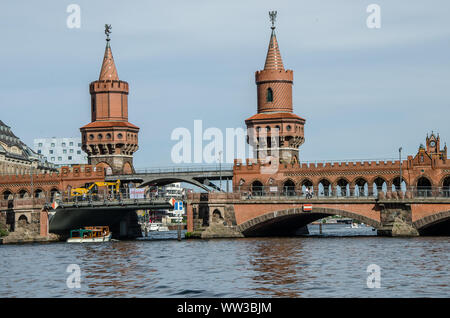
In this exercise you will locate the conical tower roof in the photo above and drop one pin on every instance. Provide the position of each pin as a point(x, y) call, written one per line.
point(273, 59)
point(108, 71)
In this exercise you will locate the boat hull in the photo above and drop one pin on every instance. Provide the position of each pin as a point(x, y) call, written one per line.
point(90, 239)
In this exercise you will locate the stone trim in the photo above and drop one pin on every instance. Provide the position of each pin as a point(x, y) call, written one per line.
point(431, 219)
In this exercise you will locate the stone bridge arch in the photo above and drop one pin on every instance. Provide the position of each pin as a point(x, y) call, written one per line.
point(286, 222)
point(437, 223)
point(160, 181)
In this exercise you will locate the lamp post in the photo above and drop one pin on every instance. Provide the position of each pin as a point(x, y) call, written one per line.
point(32, 188)
point(220, 170)
point(400, 158)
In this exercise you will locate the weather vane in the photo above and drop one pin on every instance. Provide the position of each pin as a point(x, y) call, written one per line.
point(273, 17)
point(107, 31)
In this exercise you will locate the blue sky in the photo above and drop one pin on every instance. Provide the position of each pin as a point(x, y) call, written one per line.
point(363, 92)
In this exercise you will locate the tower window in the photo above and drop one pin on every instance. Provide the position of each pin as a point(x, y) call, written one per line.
point(269, 97)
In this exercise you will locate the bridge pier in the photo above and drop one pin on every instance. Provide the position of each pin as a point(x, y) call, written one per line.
point(396, 220)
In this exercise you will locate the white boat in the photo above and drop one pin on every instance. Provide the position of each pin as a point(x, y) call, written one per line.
point(354, 226)
point(158, 227)
point(91, 234)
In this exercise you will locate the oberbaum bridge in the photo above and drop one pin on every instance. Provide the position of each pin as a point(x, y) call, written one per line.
point(398, 198)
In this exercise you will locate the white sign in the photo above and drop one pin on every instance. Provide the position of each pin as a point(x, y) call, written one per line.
point(137, 193)
point(273, 189)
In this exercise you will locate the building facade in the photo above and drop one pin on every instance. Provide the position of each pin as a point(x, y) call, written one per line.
point(110, 140)
point(61, 151)
point(17, 158)
point(276, 134)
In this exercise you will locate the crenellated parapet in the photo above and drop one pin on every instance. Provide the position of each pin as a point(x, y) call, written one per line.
point(42, 184)
point(423, 170)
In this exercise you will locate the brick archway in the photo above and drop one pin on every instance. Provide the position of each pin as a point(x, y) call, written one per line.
point(431, 220)
point(249, 227)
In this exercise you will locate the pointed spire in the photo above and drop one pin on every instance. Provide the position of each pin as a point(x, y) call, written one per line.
point(273, 59)
point(108, 70)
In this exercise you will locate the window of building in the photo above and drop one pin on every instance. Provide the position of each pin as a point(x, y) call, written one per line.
point(71, 143)
point(78, 152)
point(63, 144)
point(70, 157)
point(53, 145)
point(40, 144)
point(53, 158)
point(71, 150)
point(269, 97)
point(50, 152)
point(64, 150)
point(79, 144)
point(59, 158)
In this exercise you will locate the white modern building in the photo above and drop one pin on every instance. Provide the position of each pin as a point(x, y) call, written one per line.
point(61, 151)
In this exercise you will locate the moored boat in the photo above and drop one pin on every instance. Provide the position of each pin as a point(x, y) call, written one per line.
point(90, 234)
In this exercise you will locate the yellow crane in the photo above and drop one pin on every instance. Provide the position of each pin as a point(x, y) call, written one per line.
point(90, 187)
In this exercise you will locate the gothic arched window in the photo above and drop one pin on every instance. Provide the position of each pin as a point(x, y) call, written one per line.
point(269, 97)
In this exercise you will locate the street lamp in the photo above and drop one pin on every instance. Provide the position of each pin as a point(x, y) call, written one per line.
point(220, 170)
point(400, 157)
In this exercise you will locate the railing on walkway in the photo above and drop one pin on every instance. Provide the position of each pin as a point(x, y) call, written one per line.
point(125, 195)
point(361, 193)
point(181, 169)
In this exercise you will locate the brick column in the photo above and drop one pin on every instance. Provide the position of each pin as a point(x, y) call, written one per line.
point(43, 223)
point(189, 218)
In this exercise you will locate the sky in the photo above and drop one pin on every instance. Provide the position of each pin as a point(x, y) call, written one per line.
point(363, 92)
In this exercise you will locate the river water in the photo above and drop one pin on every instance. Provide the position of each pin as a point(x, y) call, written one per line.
point(331, 264)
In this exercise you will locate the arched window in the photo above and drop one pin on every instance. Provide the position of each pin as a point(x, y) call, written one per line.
point(269, 97)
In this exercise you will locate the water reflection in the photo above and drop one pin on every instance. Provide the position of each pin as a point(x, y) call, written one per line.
point(116, 268)
point(275, 262)
point(327, 266)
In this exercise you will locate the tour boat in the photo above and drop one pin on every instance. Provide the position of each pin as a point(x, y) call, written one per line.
point(90, 234)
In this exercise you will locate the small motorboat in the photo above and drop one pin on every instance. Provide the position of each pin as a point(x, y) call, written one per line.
point(355, 226)
point(90, 234)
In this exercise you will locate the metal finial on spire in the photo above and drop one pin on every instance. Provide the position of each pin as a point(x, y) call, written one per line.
point(273, 17)
point(108, 31)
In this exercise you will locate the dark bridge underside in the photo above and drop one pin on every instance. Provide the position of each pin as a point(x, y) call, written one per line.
point(287, 222)
point(288, 225)
point(65, 220)
point(439, 228)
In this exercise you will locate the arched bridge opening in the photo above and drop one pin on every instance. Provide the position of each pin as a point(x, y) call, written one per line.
point(287, 222)
point(166, 181)
point(437, 224)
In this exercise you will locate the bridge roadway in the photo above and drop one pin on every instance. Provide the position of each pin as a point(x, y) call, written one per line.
point(199, 176)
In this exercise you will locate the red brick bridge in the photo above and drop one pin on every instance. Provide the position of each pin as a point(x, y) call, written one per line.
point(238, 215)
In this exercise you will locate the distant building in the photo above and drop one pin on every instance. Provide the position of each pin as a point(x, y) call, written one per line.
point(61, 151)
point(16, 157)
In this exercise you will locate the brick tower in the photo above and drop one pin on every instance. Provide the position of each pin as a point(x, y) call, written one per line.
point(110, 140)
point(275, 130)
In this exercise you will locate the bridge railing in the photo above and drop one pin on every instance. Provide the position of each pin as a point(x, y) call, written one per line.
point(181, 169)
point(113, 196)
point(268, 192)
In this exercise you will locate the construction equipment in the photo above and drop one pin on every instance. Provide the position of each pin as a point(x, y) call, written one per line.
point(92, 188)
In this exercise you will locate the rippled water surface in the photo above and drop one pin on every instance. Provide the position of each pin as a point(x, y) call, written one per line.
point(333, 264)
